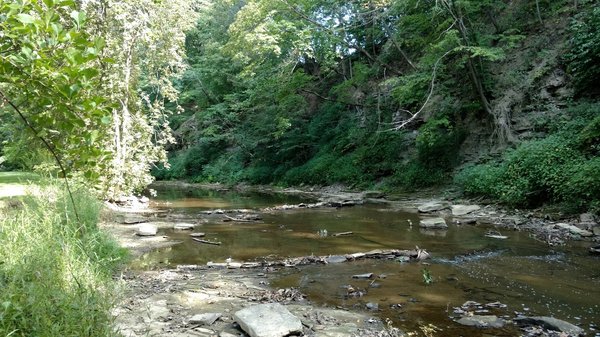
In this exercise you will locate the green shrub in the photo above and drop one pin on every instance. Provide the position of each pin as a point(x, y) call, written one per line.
point(581, 189)
point(415, 175)
point(55, 272)
point(584, 55)
point(438, 143)
point(480, 179)
point(546, 170)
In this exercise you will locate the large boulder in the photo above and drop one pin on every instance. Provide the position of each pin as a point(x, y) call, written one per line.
point(268, 320)
point(433, 223)
point(458, 210)
point(551, 323)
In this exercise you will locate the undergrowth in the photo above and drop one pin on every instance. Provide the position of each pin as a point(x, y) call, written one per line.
point(55, 271)
point(563, 168)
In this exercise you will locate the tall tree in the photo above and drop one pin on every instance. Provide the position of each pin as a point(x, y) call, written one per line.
point(145, 48)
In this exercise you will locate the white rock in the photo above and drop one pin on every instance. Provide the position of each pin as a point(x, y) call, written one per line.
point(146, 230)
point(183, 226)
point(433, 223)
point(458, 210)
point(268, 320)
point(206, 318)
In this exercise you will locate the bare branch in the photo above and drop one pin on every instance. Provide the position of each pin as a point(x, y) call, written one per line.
point(401, 124)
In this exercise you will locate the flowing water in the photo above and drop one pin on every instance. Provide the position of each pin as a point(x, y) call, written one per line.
point(525, 275)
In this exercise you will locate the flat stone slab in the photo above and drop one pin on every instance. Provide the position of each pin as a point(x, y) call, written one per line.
point(574, 229)
point(268, 320)
point(206, 318)
point(432, 223)
point(458, 210)
point(146, 230)
point(482, 321)
point(183, 226)
point(336, 259)
point(432, 206)
point(551, 323)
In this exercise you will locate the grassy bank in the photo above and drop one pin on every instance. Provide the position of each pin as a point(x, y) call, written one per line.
point(55, 271)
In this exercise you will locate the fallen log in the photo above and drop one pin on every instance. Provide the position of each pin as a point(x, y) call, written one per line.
point(207, 242)
point(248, 218)
point(390, 254)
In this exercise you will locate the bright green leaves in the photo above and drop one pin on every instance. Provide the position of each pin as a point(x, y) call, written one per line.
point(487, 53)
point(49, 67)
point(25, 18)
point(78, 18)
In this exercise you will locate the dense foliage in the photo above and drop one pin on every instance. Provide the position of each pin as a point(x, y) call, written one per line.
point(384, 93)
point(562, 168)
point(84, 86)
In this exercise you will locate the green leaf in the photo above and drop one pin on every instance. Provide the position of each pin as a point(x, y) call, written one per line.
point(78, 17)
point(25, 18)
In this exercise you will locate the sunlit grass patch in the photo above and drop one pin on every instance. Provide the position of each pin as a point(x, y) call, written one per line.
point(14, 184)
point(55, 270)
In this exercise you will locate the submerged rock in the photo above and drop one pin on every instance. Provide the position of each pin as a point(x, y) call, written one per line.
point(551, 323)
point(432, 223)
point(146, 230)
point(458, 210)
point(485, 321)
point(336, 259)
point(268, 320)
point(372, 306)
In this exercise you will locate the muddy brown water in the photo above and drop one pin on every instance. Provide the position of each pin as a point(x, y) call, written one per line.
point(525, 275)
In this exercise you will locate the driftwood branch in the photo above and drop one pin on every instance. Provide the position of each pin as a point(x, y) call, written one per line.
point(207, 242)
point(389, 254)
point(229, 218)
point(342, 234)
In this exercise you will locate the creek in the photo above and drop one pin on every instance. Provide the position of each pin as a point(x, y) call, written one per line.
point(525, 275)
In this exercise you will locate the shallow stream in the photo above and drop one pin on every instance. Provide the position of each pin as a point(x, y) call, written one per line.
point(519, 272)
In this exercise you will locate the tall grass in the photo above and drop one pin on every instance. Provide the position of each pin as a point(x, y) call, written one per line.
point(55, 271)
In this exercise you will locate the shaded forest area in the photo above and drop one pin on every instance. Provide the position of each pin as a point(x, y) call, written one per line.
point(499, 97)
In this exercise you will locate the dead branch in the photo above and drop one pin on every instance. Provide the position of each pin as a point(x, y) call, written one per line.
point(216, 243)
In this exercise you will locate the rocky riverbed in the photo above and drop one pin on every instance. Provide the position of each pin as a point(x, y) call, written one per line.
point(203, 300)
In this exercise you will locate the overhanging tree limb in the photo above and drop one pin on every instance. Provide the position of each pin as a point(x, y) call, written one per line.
point(49, 147)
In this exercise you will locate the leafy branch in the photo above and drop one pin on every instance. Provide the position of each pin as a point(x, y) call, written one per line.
point(48, 146)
